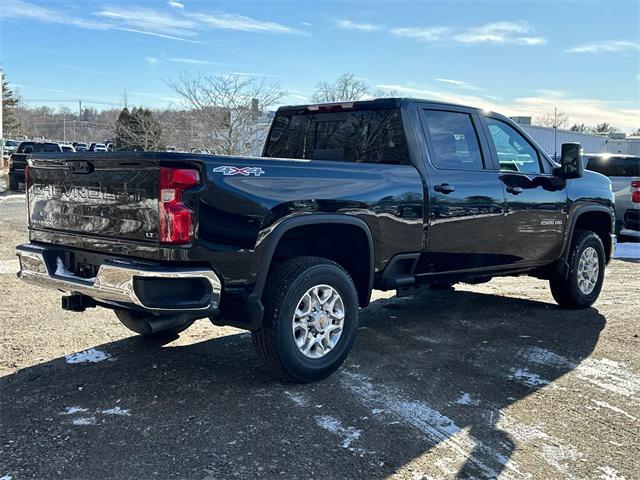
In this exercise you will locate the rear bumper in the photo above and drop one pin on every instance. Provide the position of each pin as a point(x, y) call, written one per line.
point(120, 282)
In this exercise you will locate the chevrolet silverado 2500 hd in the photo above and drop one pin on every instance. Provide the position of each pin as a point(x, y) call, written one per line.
point(385, 194)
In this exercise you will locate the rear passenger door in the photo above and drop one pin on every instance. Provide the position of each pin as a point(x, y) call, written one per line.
point(536, 200)
point(465, 195)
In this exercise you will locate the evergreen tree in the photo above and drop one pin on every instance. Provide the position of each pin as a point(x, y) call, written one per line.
point(10, 123)
point(138, 130)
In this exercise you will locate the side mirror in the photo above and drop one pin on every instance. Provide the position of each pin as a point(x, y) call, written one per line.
point(571, 165)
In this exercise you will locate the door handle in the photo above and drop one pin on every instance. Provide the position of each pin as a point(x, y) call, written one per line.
point(514, 190)
point(444, 188)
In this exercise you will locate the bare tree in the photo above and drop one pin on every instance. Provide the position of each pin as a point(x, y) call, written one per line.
point(346, 87)
point(555, 120)
point(604, 127)
point(580, 127)
point(229, 106)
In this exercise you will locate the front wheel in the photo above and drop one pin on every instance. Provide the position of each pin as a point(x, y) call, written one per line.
point(310, 319)
point(582, 285)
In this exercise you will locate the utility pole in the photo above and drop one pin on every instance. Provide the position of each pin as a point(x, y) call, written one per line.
point(1, 132)
point(555, 133)
point(80, 118)
point(64, 126)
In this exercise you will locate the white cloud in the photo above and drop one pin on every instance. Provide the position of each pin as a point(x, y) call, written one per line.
point(430, 34)
point(605, 46)
point(149, 20)
point(175, 25)
point(496, 33)
point(580, 110)
point(351, 25)
point(231, 21)
point(457, 83)
point(175, 4)
point(193, 61)
point(500, 33)
point(152, 60)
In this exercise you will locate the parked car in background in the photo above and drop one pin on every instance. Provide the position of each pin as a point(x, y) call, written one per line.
point(80, 146)
point(99, 147)
point(67, 148)
point(18, 160)
point(10, 146)
point(624, 173)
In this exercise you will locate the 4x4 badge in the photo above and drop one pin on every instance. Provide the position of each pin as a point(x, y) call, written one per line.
point(246, 171)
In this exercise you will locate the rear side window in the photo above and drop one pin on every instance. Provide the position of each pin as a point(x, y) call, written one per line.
point(515, 153)
point(613, 166)
point(453, 140)
point(367, 136)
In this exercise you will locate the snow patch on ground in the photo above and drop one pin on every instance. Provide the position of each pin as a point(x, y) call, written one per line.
point(560, 456)
point(604, 404)
point(73, 410)
point(529, 378)
point(608, 473)
point(465, 399)
point(627, 250)
point(333, 425)
point(9, 267)
point(116, 411)
point(297, 398)
point(87, 356)
point(606, 374)
point(452, 444)
point(84, 421)
point(6, 477)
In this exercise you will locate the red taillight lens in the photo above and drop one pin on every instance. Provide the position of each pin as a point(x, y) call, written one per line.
point(176, 222)
point(635, 194)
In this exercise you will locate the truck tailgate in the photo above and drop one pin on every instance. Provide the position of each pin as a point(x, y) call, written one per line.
point(105, 196)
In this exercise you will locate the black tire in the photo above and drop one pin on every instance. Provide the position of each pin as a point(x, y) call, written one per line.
point(274, 340)
point(138, 322)
point(566, 291)
point(13, 184)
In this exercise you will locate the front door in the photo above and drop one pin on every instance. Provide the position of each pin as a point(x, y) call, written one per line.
point(466, 199)
point(535, 217)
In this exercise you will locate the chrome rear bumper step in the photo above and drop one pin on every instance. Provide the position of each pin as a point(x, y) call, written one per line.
point(114, 281)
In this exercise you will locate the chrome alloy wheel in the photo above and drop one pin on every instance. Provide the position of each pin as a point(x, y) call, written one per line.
point(318, 321)
point(588, 270)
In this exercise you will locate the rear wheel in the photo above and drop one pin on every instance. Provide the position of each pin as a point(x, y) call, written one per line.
point(581, 286)
point(310, 319)
point(148, 325)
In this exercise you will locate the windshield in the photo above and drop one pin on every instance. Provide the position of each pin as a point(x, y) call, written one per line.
point(371, 136)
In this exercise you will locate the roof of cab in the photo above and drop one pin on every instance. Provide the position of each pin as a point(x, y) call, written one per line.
point(379, 103)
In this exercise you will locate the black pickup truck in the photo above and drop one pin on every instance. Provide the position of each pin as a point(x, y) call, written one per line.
point(392, 194)
point(18, 160)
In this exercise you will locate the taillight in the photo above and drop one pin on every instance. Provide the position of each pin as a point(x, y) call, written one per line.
point(175, 218)
point(635, 194)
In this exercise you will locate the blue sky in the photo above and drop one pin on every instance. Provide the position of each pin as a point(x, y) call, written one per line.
point(515, 57)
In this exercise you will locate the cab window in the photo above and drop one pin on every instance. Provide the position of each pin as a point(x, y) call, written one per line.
point(453, 140)
point(515, 153)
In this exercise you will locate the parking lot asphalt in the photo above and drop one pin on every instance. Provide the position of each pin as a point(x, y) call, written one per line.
point(482, 381)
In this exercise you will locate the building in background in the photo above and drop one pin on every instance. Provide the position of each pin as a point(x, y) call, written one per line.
point(551, 139)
